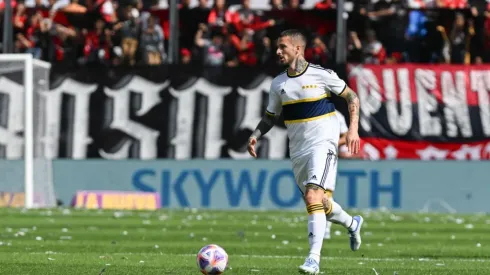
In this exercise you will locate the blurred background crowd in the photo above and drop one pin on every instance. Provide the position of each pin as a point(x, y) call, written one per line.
point(243, 32)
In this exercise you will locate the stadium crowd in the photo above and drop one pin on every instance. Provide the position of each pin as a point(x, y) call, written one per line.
point(231, 32)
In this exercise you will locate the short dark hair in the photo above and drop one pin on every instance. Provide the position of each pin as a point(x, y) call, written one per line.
point(294, 34)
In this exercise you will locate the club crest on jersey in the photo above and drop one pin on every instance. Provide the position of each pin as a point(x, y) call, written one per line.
point(304, 87)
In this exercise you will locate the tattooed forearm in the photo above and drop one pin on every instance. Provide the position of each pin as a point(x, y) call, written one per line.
point(353, 105)
point(265, 124)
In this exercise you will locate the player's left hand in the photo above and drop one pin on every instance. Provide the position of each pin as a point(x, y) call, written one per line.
point(353, 142)
point(251, 146)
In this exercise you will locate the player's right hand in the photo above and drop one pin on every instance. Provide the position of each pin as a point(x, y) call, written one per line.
point(251, 146)
point(353, 142)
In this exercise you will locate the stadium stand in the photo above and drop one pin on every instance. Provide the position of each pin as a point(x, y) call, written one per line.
point(240, 32)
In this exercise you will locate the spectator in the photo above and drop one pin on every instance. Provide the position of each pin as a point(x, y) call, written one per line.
point(20, 18)
point(98, 44)
point(354, 48)
point(318, 52)
point(30, 42)
point(245, 47)
point(213, 52)
point(219, 14)
point(130, 32)
point(265, 53)
point(152, 43)
point(458, 39)
point(245, 14)
point(478, 10)
point(244, 35)
point(185, 56)
point(245, 18)
point(416, 35)
point(373, 51)
point(384, 20)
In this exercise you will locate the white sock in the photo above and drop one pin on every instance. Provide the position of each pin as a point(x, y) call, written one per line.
point(339, 216)
point(317, 222)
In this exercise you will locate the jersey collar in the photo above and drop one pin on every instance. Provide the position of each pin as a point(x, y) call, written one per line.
point(299, 74)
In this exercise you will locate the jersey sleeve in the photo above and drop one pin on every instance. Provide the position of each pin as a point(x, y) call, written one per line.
point(274, 107)
point(333, 83)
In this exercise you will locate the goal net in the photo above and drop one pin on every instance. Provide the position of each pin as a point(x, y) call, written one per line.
point(24, 81)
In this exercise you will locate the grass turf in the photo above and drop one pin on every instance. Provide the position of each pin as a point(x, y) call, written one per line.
point(67, 241)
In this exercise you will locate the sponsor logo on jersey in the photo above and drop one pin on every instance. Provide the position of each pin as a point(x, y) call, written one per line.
point(304, 87)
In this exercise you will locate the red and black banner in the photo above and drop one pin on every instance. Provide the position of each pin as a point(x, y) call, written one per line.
point(184, 112)
point(424, 112)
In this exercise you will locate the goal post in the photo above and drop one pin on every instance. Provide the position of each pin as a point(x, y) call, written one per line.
point(33, 76)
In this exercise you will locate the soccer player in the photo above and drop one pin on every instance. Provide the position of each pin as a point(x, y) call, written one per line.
point(302, 94)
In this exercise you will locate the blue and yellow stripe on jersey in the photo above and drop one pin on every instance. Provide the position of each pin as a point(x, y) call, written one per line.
point(307, 109)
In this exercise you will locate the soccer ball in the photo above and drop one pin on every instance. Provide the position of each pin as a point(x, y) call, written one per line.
point(212, 259)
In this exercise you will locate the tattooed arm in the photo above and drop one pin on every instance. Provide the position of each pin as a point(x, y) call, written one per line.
point(265, 124)
point(274, 107)
point(352, 138)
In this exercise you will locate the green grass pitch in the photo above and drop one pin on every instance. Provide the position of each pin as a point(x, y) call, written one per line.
point(67, 241)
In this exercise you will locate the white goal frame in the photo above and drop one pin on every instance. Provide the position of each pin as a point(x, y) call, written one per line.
point(28, 76)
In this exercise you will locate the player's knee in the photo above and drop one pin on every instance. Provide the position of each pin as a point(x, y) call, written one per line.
point(314, 194)
point(327, 205)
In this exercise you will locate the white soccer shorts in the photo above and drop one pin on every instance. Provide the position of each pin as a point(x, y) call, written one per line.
point(318, 167)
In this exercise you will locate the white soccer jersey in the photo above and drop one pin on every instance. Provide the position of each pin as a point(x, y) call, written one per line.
point(308, 113)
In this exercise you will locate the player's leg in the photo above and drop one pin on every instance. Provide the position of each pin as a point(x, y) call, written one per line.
point(317, 221)
point(328, 227)
point(316, 227)
point(313, 196)
point(334, 211)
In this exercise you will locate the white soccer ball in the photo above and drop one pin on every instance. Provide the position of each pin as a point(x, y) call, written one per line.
point(212, 259)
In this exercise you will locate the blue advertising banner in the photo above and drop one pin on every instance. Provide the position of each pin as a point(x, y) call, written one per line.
point(267, 184)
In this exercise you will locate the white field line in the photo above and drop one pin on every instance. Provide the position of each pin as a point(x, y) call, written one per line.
point(281, 257)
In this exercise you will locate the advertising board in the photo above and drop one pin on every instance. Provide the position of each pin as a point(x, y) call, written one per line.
point(269, 184)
